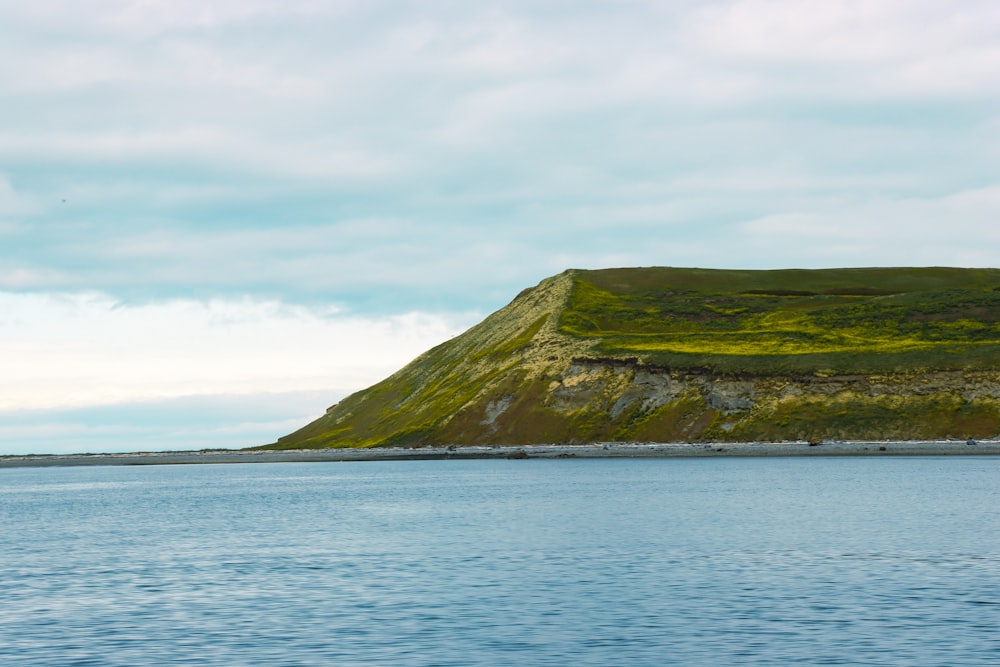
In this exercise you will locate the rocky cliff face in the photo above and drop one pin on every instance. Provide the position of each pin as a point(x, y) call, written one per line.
point(519, 378)
point(637, 402)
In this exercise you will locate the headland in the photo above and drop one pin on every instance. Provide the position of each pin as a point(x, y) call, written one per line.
point(703, 356)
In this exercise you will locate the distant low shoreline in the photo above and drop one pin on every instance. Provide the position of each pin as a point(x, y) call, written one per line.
point(594, 451)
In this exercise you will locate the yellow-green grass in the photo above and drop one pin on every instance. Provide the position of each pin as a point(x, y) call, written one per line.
point(841, 320)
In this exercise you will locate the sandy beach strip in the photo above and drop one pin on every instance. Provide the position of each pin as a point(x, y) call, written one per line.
point(592, 451)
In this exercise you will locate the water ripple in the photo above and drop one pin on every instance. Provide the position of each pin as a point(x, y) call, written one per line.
point(503, 563)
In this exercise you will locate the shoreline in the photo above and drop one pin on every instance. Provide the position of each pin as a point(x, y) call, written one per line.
point(593, 451)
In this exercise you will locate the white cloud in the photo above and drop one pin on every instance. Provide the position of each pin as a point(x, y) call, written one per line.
point(184, 423)
point(13, 204)
point(958, 229)
point(854, 47)
point(209, 148)
point(62, 350)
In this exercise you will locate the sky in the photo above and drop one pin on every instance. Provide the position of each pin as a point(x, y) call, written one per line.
point(219, 217)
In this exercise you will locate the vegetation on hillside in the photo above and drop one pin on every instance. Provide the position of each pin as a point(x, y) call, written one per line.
point(664, 354)
point(792, 321)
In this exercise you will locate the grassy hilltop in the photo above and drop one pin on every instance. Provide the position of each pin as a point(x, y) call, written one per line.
point(695, 354)
point(767, 322)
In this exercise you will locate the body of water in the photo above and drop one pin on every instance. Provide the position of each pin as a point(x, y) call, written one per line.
point(838, 561)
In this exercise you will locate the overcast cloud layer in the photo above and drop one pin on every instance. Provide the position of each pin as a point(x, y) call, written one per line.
point(82, 372)
point(349, 162)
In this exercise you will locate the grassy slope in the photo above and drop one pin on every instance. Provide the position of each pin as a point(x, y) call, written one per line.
point(439, 397)
point(757, 324)
point(792, 321)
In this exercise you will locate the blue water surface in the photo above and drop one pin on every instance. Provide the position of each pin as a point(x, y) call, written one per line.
point(818, 561)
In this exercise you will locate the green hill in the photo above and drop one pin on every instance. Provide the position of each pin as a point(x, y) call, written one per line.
point(667, 354)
